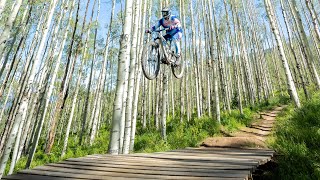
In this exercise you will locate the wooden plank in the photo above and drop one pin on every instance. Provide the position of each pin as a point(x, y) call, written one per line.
point(178, 156)
point(193, 161)
point(180, 164)
point(227, 150)
point(138, 173)
point(145, 169)
point(200, 153)
point(63, 175)
point(157, 157)
point(90, 174)
point(183, 161)
point(139, 165)
point(241, 150)
point(195, 158)
point(253, 156)
point(34, 177)
point(195, 153)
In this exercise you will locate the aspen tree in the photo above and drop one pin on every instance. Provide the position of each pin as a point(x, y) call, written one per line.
point(234, 61)
point(63, 91)
point(315, 40)
point(133, 59)
point(199, 64)
point(46, 100)
point(85, 114)
point(306, 47)
point(75, 95)
point(301, 75)
point(244, 56)
point(22, 81)
point(7, 31)
point(164, 97)
point(314, 19)
point(23, 31)
point(2, 6)
point(187, 102)
point(138, 73)
point(114, 144)
point(195, 59)
point(291, 87)
point(22, 111)
point(215, 78)
point(102, 77)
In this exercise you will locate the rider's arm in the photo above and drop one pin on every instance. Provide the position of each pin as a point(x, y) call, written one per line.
point(156, 26)
point(176, 22)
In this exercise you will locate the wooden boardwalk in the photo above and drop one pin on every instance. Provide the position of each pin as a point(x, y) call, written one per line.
point(190, 163)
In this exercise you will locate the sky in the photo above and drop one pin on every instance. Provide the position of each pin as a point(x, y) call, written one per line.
point(105, 12)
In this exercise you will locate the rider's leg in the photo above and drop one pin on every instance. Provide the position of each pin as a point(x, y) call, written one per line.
point(176, 42)
point(177, 46)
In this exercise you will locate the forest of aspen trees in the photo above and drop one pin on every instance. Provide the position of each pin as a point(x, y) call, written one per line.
point(70, 70)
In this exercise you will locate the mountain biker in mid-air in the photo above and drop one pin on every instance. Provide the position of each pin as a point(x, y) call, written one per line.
point(175, 30)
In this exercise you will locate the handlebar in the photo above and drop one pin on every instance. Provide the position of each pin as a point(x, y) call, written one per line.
point(165, 29)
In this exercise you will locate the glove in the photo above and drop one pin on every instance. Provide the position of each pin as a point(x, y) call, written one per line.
point(172, 27)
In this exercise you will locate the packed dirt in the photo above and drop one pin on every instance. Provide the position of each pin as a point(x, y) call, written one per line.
point(254, 136)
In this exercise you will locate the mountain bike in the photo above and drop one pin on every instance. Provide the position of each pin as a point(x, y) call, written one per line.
point(157, 51)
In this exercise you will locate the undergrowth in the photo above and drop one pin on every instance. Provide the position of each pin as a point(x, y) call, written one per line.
point(297, 141)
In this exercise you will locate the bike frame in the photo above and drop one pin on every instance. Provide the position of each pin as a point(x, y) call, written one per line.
point(162, 39)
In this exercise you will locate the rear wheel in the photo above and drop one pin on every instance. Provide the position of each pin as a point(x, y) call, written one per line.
point(178, 70)
point(150, 60)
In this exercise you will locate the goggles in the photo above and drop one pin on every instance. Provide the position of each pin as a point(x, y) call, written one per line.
point(165, 14)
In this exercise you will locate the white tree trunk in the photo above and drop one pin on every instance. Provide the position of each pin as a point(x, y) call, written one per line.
point(102, 76)
point(133, 59)
point(215, 78)
point(122, 71)
point(21, 115)
point(6, 33)
point(164, 104)
point(57, 54)
point(291, 87)
point(306, 47)
point(2, 6)
point(78, 84)
point(314, 20)
point(138, 78)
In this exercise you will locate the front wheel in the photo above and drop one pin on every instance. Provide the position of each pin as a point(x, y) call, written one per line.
point(150, 60)
point(178, 70)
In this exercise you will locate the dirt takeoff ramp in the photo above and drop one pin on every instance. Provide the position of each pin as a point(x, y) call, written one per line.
point(190, 163)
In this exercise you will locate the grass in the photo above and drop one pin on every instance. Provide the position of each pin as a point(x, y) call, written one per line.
point(179, 135)
point(297, 141)
point(99, 146)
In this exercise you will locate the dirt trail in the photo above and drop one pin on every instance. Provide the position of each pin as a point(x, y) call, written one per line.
point(254, 136)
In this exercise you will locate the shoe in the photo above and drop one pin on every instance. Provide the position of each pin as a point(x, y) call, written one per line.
point(164, 61)
point(155, 45)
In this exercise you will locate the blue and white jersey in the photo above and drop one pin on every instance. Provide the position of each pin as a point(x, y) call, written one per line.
point(172, 21)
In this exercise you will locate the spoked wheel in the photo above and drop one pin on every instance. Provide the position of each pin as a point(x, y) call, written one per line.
point(178, 70)
point(151, 60)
